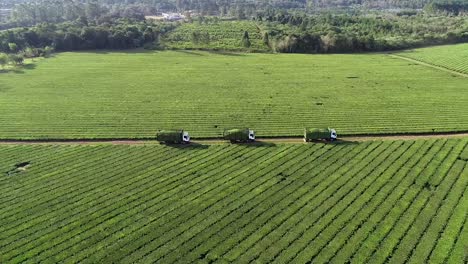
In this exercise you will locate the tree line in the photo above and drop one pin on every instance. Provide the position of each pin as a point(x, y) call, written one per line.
point(32, 12)
point(295, 32)
point(453, 7)
point(323, 33)
point(53, 11)
point(80, 35)
point(280, 31)
point(99, 24)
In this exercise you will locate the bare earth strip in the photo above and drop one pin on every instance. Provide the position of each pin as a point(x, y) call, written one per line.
point(430, 65)
point(195, 142)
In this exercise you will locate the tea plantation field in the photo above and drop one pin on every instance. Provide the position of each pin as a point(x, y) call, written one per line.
point(453, 57)
point(372, 202)
point(223, 35)
point(133, 94)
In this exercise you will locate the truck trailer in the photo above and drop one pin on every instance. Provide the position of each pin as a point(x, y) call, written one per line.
point(239, 135)
point(173, 136)
point(327, 134)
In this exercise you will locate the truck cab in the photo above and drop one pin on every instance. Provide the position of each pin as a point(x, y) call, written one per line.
point(251, 135)
point(185, 137)
point(333, 135)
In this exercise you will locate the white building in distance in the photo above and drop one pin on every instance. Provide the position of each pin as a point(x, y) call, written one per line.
point(173, 16)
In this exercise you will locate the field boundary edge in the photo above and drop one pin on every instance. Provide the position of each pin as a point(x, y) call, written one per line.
point(260, 140)
point(423, 63)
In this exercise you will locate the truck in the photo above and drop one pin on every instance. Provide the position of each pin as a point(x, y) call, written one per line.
point(327, 134)
point(239, 135)
point(173, 136)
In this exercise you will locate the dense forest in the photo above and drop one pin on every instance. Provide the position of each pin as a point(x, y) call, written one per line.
point(29, 12)
point(121, 24)
point(356, 33)
point(325, 33)
point(81, 35)
point(455, 7)
point(222, 5)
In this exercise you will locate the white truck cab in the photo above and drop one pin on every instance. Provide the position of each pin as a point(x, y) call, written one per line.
point(251, 135)
point(333, 134)
point(186, 137)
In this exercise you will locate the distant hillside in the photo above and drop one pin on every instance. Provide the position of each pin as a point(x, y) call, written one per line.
point(218, 5)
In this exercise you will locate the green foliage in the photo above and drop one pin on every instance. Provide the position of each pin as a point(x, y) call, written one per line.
point(30, 13)
point(246, 40)
point(12, 47)
point(133, 94)
point(322, 33)
point(453, 7)
point(223, 35)
point(288, 44)
point(30, 53)
point(16, 59)
point(266, 39)
point(290, 32)
point(200, 38)
point(229, 203)
point(47, 51)
point(332, 33)
point(121, 34)
point(3, 59)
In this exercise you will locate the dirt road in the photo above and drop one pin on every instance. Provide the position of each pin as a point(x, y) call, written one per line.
point(278, 140)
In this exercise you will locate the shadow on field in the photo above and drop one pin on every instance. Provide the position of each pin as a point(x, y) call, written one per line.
point(105, 52)
point(191, 146)
point(256, 144)
point(190, 52)
point(29, 66)
point(213, 52)
point(336, 142)
point(20, 69)
point(402, 52)
point(102, 52)
point(344, 142)
point(225, 53)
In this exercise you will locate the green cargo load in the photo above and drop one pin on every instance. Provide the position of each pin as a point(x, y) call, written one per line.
point(173, 136)
point(319, 134)
point(239, 135)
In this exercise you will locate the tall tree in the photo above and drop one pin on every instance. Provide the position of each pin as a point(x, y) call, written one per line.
point(246, 40)
point(266, 39)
